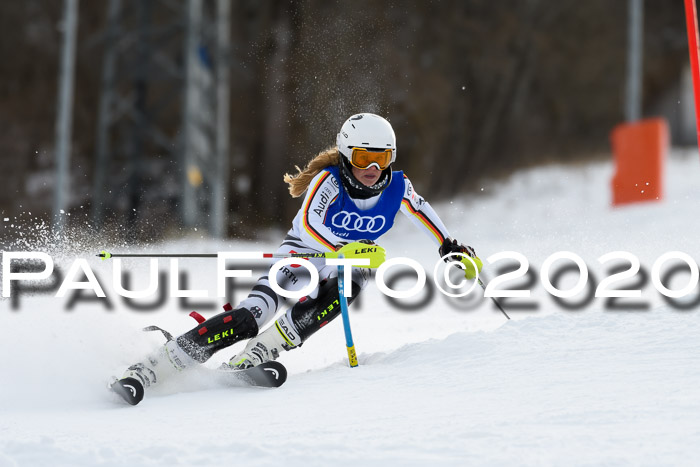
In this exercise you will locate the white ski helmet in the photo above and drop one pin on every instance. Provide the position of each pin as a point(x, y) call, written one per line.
point(366, 131)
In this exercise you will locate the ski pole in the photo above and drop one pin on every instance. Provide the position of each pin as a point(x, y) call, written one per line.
point(352, 355)
point(494, 299)
point(105, 255)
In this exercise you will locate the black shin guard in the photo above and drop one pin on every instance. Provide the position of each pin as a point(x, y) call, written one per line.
point(311, 314)
point(217, 333)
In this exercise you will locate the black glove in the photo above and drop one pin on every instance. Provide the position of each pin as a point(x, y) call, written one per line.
point(451, 246)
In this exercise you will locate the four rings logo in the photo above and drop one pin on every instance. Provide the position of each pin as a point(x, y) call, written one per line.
point(354, 221)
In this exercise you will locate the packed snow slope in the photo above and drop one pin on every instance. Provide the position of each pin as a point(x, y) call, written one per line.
point(583, 382)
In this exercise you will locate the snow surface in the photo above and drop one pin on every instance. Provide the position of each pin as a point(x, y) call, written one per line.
point(451, 384)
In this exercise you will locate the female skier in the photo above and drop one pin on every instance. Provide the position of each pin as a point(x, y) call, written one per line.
point(352, 195)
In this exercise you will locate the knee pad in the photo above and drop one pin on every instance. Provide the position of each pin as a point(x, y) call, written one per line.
point(219, 332)
point(310, 314)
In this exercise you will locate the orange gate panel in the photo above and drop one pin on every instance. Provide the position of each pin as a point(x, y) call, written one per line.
point(639, 149)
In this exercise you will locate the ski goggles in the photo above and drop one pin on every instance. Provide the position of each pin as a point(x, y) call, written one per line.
point(363, 158)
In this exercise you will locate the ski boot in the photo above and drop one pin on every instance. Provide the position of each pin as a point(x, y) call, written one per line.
point(306, 317)
point(160, 365)
point(192, 348)
point(266, 346)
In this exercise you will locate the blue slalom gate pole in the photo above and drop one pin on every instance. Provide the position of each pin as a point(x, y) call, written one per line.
point(352, 355)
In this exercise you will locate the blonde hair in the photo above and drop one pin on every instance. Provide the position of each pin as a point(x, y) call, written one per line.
point(299, 182)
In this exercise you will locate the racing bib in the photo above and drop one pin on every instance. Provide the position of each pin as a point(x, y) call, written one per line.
point(347, 221)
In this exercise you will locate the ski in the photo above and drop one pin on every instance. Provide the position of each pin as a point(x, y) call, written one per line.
point(266, 375)
point(129, 389)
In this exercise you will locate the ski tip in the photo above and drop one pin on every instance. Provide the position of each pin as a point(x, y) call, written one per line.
point(129, 389)
point(266, 375)
point(278, 373)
